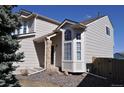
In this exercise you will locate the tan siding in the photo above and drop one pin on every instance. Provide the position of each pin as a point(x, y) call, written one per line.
point(97, 42)
point(40, 51)
point(32, 59)
point(43, 27)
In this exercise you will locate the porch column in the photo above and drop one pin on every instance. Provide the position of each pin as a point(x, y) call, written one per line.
point(48, 54)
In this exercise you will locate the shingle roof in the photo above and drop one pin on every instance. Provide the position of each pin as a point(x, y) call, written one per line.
point(85, 22)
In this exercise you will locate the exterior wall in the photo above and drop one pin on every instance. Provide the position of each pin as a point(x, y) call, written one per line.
point(33, 51)
point(40, 51)
point(31, 59)
point(43, 27)
point(97, 42)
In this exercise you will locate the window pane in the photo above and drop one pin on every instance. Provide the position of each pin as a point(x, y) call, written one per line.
point(108, 31)
point(21, 30)
point(78, 50)
point(67, 51)
point(78, 35)
point(25, 27)
point(78, 55)
point(68, 35)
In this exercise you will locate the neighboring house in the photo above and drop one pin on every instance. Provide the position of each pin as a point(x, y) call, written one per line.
point(69, 45)
point(119, 55)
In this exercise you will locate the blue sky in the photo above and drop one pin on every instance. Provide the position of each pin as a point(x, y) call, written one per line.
point(80, 13)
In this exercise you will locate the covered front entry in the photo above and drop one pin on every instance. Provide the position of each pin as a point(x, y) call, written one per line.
point(53, 55)
point(49, 51)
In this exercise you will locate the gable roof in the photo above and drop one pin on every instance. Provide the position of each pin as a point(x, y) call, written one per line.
point(64, 22)
point(73, 23)
point(88, 21)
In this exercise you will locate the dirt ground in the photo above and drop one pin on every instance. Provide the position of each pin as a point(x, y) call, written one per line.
point(50, 79)
point(46, 79)
point(34, 83)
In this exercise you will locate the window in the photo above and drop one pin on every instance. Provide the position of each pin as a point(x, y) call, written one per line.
point(20, 31)
point(23, 29)
point(78, 50)
point(67, 51)
point(108, 31)
point(78, 35)
point(68, 35)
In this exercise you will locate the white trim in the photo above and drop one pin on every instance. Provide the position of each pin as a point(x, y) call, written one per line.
point(50, 36)
point(54, 56)
point(26, 35)
point(66, 21)
point(26, 16)
point(45, 64)
point(27, 27)
point(35, 22)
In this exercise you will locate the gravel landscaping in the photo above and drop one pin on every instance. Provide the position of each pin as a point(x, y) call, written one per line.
point(55, 79)
point(48, 79)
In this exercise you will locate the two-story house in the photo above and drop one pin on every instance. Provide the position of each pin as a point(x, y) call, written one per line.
point(68, 45)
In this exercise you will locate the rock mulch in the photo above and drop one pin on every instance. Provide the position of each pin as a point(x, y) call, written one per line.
point(57, 79)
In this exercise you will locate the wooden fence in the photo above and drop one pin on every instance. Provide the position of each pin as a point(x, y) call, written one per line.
point(109, 67)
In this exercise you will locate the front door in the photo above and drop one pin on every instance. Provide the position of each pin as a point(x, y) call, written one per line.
point(53, 55)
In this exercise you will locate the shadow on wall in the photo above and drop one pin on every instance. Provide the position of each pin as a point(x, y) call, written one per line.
point(40, 49)
point(93, 81)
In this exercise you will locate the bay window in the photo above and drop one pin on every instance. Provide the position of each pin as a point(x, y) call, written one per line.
point(72, 40)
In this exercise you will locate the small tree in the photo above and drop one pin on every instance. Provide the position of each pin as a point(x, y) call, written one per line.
point(9, 45)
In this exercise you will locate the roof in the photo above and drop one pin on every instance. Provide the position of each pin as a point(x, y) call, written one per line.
point(73, 23)
point(31, 14)
point(88, 21)
point(48, 19)
point(40, 39)
point(25, 12)
point(85, 22)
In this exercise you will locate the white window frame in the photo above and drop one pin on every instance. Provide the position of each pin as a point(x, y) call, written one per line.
point(78, 51)
point(75, 48)
point(68, 41)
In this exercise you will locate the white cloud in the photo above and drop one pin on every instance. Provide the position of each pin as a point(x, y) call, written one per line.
point(88, 16)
